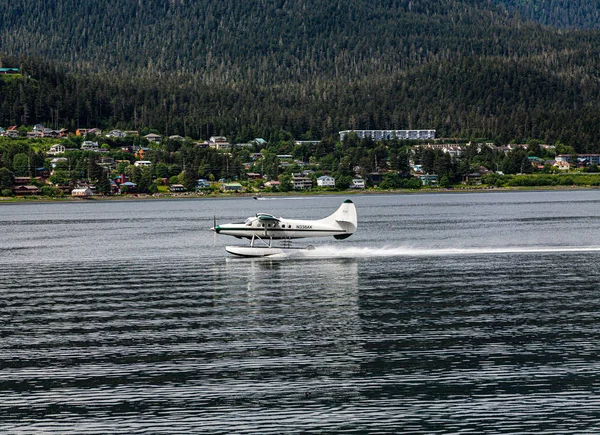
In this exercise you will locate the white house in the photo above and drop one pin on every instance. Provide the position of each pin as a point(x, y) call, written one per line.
point(82, 192)
point(301, 183)
point(116, 134)
point(357, 183)
point(56, 149)
point(153, 138)
point(219, 143)
point(88, 145)
point(326, 181)
point(142, 163)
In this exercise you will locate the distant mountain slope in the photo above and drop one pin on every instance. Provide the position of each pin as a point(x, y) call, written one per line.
point(260, 67)
point(558, 13)
point(259, 40)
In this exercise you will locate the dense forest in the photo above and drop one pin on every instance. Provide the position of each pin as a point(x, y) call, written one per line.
point(305, 68)
point(558, 13)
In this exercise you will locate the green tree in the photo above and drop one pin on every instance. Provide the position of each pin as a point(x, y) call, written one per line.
point(21, 164)
point(6, 178)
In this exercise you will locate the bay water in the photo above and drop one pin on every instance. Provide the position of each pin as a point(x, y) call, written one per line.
point(444, 313)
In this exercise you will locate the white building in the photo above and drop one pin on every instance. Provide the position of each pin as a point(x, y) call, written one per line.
point(142, 163)
point(301, 183)
point(219, 143)
point(88, 145)
point(326, 181)
point(56, 149)
point(82, 192)
point(357, 183)
point(153, 138)
point(390, 134)
point(117, 134)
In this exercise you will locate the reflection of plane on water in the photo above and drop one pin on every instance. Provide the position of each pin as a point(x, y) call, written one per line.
point(262, 229)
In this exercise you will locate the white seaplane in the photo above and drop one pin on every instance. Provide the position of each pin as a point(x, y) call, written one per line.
point(263, 228)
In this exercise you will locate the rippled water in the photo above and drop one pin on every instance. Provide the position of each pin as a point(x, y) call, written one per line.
point(444, 313)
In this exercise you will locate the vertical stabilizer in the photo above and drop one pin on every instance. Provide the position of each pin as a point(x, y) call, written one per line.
point(346, 217)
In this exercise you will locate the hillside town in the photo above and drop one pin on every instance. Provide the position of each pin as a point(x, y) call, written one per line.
point(50, 162)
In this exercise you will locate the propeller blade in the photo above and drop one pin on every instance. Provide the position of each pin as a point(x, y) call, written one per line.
point(215, 230)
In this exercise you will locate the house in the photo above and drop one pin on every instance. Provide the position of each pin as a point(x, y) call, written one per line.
point(232, 187)
point(562, 165)
point(141, 153)
point(82, 192)
point(472, 179)
point(357, 183)
point(326, 181)
point(301, 183)
point(35, 135)
point(42, 172)
point(311, 143)
point(153, 138)
point(259, 141)
point(21, 181)
point(219, 143)
point(253, 175)
point(128, 187)
point(273, 184)
point(56, 149)
point(176, 138)
point(142, 163)
point(107, 162)
point(375, 178)
point(6, 71)
point(177, 188)
point(25, 190)
point(202, 184)
point(88, 145)
point(117, 134)
point(428, 179)
point(86, 131)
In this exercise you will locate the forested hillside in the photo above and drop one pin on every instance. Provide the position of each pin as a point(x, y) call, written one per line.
point(310, 68)
point(558, 13)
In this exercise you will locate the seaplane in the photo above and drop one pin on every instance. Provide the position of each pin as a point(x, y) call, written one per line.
point(261, 230)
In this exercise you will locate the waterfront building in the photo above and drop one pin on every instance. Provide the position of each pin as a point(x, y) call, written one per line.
point(377, 135)
point(357, 183)
point(232, 187)
point(428, 179)
point(587, 159)
point(326, 181)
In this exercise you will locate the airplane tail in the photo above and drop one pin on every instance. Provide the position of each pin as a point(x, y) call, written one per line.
point(345, 217)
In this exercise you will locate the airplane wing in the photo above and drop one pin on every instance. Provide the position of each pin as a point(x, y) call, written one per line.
point(266, 217)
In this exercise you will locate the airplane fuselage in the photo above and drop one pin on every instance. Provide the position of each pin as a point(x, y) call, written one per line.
point(282, 229)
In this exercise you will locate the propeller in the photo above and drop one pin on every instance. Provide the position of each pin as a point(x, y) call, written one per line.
point(215, 230)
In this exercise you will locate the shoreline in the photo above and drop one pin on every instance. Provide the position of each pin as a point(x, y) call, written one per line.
point(146, 197)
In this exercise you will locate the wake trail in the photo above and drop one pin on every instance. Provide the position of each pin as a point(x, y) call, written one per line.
point(367, 252)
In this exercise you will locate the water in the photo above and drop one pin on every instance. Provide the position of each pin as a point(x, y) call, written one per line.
point(444, 313)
